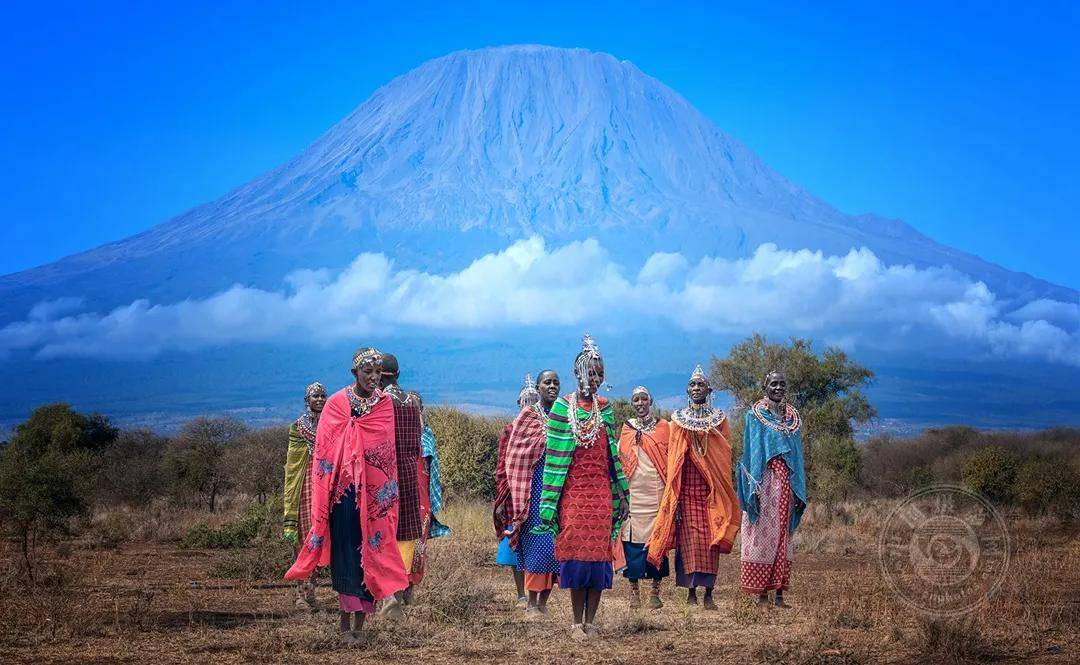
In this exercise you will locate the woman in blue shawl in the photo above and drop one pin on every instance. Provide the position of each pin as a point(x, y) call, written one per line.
point(772, 491)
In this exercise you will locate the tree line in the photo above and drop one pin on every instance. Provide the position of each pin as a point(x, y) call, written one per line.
point(60, 464)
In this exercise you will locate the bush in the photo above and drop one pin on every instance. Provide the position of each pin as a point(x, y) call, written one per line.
point(130, 471)
point(259, 521)
point(255, 462)
point(836, 464)
point(468, 450)
point(195, 459)
point(1048, 486)
point(47, 472)
point(991, 471)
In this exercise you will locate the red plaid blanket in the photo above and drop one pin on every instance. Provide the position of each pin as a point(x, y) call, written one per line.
point(528, 440)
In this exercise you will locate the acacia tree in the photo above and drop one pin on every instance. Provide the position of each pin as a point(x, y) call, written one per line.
point(827, 389)
point(195, 459)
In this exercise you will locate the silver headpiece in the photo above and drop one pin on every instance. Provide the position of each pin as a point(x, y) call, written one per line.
point(529, 389)
point(367, 354)
point(641, 389)
point(314, 389)
point(700, 374)
point(589, 356)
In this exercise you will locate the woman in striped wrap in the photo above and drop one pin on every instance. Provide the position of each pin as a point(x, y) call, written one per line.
point(585, 497)
point(297, 491)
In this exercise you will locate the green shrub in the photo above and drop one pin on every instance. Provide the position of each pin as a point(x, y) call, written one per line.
point(260, 521)
point(1048, 486)
point(468, 450)
point(991, 471)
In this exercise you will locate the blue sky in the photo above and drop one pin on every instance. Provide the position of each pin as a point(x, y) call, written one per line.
point(959, 118)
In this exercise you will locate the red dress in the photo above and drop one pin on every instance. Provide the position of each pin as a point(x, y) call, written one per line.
point(585, 507)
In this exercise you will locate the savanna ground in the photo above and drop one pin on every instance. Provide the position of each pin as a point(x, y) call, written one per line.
point(134, 594)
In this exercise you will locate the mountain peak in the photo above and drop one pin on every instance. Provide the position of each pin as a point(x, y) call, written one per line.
point(478, 148)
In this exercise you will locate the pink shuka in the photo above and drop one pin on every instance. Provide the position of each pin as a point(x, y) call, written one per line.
point(360, 452)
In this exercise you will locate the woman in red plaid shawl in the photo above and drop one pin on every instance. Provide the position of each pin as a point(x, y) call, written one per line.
point(506, 555)
point(520, 510)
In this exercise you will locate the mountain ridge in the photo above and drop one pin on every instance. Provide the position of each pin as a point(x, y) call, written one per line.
point(493, 145)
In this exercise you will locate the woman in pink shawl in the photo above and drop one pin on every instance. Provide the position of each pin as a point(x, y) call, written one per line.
point(354, 498)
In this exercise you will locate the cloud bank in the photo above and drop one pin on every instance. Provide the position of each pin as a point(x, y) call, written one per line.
point(854, 300)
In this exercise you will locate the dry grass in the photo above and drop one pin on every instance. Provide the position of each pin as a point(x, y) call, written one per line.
point(136, 597)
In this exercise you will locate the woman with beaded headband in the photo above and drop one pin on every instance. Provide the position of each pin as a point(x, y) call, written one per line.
point(502, 511)
point(699, 514)
point(772, 491)
point(354, 498)
point(643, 446)
point(297, 489)
point(519, 514)
point(585, 497)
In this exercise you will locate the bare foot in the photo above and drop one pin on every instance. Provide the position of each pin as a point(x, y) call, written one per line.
point(655, 603)
point(522, 602)
point(780, 602)
point(577, 633)
point(591, 632)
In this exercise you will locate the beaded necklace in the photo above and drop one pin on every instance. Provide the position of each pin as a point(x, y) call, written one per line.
point(646, 426)
point(698, 418)
point(307, 425)
point(585, 433)
point(789, 425)
point(362, 405)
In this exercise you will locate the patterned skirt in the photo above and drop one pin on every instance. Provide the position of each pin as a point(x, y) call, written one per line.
point(536, 551)
point(585, 507)
point(303, 511)
point(767, 549)
point(695, 560)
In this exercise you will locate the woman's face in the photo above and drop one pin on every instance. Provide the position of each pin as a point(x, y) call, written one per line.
point(547, 384)
point(698, 390)
point(368, 376)
point(316, 401)
point(594, 377)
point(642, 403)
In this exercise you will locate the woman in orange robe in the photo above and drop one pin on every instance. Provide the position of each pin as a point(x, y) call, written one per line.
point(699, 514)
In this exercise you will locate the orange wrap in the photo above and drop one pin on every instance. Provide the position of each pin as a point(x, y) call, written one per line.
point(715, 466)
point(655, 444)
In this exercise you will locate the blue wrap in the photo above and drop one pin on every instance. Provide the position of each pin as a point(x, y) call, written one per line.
point(761, 444)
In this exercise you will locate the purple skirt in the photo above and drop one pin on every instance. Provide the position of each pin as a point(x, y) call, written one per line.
point(585, 575)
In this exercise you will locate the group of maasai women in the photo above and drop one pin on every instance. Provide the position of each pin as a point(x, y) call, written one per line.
point(575, 502)
point(362, 491)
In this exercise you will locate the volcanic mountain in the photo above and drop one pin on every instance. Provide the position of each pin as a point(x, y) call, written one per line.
point(470, 151)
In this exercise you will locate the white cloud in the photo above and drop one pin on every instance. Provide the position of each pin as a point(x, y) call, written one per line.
point(854, 299)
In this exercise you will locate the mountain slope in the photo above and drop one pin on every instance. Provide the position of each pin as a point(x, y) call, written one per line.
point(472, 150)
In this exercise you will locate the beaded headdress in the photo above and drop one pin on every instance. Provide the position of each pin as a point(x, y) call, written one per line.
point(367, 354)
point(528, 390)
point(589, 356)
point(641, 389)
point(314, 389)
point(700, 374)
